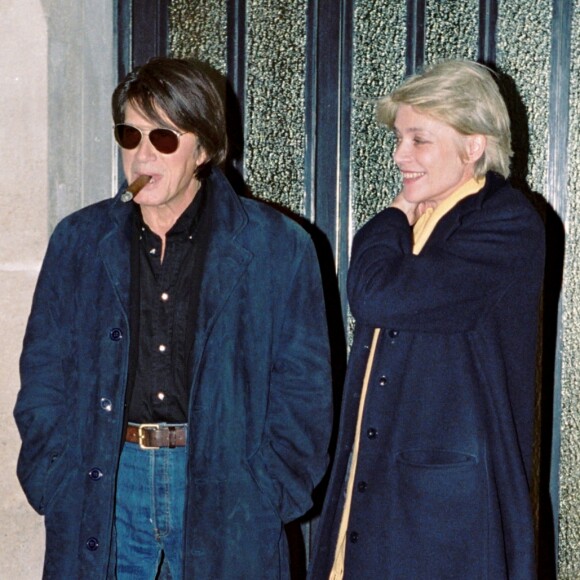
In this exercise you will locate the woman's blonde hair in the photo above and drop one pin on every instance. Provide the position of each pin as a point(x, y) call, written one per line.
point(464, 95)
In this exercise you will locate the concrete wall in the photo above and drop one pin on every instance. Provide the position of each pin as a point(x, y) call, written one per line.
point(56, 155)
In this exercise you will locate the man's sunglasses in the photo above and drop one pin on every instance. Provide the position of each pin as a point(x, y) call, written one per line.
point(164, 140)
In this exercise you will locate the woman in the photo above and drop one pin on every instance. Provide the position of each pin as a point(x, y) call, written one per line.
point(433, 465)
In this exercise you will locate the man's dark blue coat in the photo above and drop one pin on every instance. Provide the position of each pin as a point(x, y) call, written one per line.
point(444, 469)
point(260, 409)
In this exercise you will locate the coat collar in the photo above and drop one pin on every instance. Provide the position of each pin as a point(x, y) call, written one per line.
point(226, 258)
point(452, 220)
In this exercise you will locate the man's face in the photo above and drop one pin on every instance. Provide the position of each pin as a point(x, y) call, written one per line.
point(173, 182)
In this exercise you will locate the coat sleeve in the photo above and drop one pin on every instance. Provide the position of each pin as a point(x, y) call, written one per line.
point(40, 409)
point(293, 455)
point(449, 286)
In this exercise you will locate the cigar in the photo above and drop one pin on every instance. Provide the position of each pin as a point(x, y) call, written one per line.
point(135, 187)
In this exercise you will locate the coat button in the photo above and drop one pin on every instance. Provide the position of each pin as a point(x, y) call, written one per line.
point(362, 486)
point(372, 433)
point(383, 381)
point(393, 333)
point(106, 404)
point(353, 537)
point(95, 474)
point(115, 334)
point(92, 544)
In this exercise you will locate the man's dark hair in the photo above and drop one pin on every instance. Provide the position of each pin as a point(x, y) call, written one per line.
point(185, 92)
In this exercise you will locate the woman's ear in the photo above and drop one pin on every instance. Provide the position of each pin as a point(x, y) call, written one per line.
point(474, 147)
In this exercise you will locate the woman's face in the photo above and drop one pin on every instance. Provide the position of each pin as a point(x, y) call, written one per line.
point(432, 156)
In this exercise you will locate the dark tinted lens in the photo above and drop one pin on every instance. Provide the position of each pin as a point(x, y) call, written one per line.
point(127, 137)
point(164, 140)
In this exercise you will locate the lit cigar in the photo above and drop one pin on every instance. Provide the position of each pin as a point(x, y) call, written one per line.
point(135, 187)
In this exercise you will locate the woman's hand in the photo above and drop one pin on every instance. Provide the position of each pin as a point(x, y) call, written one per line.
point(413, 211)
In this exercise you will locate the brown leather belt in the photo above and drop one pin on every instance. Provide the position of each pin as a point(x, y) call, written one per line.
point(155, 435)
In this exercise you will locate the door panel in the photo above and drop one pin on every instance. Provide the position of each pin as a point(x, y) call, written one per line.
point(303, 76)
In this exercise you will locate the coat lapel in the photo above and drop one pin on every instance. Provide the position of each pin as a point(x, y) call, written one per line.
point(224, 266)
point(452, 220)
point(225, 259)
point(115, 251)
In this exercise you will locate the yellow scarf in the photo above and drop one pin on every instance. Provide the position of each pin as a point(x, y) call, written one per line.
point(425, 225)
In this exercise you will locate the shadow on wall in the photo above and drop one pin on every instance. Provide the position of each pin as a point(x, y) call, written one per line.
point(546, 527)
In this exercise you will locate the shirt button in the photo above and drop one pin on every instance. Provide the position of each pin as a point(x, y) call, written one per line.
point(353, 537)
point(162, 348)
point(362, 486)
point(393, 333)
point(92, 544)
point(161, 395)
point(383, 381)
point(164, 296)
point(372, 433)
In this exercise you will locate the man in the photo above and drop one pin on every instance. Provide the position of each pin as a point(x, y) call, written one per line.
point(175, 402)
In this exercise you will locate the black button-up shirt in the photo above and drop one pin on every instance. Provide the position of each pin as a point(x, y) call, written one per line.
point(160, 370)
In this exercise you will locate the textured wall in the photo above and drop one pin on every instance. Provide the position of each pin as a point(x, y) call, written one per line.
point(451, 29)
point(570, 430)
point(274, 129)
point(275, 121)
point(529, 66)
point(198, 29)
point(378, 67)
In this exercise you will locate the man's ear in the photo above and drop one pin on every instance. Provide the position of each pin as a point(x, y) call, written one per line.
point(474, 147)
point(201, 155)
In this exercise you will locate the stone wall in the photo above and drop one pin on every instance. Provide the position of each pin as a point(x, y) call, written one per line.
point(56, 152)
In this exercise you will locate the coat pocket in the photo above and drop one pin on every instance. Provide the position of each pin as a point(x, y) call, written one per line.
point(435, 459)
point(234, 531)
point(439, 502)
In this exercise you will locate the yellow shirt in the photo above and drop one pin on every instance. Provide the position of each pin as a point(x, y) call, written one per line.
point(425, 225)
point(423, 228)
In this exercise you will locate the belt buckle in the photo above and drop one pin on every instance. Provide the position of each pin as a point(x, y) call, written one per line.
point(141, 435)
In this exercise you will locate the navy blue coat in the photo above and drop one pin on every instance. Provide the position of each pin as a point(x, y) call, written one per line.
point(444, 469)
point(260, 408)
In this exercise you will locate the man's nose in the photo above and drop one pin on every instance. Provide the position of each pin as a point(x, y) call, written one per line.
point(145, 149)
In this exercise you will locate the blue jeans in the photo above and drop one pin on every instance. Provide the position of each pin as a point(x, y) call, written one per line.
point(151, 492)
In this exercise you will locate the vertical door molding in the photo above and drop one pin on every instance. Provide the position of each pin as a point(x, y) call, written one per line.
point(143, 32)
point(415, 35)
point(328, 94)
